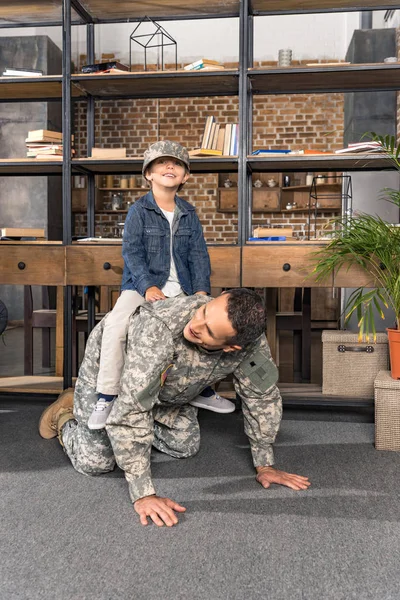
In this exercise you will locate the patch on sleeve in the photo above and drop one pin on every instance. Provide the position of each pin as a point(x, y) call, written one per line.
point(164, 374)
point(260, 369)
point(148, 395)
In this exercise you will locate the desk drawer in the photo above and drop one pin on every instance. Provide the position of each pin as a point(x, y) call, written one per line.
point(280, 266)
point(32, 265)
point(225, 266)
point(89, 265)
point(103, 265)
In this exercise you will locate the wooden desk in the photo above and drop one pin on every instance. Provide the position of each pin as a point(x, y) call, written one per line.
point(273, 265)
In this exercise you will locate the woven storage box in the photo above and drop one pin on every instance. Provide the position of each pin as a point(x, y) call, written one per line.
point(387, 412)
point(349, 368)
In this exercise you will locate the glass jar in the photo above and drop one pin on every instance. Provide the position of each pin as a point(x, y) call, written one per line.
point(117, 200)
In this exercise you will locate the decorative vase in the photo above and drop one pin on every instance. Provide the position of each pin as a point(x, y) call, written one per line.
point(394, 352)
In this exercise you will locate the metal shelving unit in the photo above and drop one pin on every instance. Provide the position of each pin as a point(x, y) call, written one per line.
point(244, 82)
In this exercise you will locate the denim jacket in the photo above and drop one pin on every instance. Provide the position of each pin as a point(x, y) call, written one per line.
point(146, 248)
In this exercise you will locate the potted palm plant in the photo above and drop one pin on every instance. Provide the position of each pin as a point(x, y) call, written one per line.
point(374, 245)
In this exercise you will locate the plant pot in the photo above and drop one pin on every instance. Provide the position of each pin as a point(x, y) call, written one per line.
point(394, 351)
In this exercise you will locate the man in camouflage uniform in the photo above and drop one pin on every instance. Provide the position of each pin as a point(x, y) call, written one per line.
point(174, 349)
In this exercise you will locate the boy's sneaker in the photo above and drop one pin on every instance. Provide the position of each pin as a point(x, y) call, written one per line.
point(98, 418)
point(216, 403)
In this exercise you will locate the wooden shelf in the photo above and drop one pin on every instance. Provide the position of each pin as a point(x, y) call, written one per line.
point(29, 166)
point(134, 165)
point(340, 78)
point(32, 12)
point(50, 11)
point(125, 10)
point(34, 89)
point(115, 189)
point(320, 162)
point(160, 84)
point(305, 209)
point(101, 212)
point(294, 6)
point(306, 188)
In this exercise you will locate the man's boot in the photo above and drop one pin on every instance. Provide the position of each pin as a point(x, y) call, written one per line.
point(55, 415)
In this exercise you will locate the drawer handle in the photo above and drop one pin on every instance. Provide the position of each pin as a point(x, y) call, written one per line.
point(21, 266)
point(286, 267)
point(343, 348)
point(107, 266)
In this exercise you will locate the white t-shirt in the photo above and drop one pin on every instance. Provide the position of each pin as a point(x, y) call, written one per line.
point(172, 287)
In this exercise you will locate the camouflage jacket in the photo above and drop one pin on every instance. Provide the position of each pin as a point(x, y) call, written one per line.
point(156, 348)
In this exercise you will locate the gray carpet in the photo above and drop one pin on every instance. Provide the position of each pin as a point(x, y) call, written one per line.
point(67, 536)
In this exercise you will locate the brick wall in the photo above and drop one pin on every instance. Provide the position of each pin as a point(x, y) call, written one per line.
point(299, 121)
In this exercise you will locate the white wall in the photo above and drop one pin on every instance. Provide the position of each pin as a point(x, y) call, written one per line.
point(309, 36)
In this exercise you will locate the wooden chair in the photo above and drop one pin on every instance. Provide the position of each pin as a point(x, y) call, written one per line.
point(297, 321)
point(45, 318)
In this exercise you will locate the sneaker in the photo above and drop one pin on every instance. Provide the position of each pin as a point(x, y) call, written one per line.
point(48, 424)
point(216, 403)
point(98, 418)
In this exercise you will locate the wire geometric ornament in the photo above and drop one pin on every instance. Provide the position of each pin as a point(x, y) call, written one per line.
point(153, 41)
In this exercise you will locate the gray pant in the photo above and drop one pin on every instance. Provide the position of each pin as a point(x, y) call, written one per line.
point(176, 432)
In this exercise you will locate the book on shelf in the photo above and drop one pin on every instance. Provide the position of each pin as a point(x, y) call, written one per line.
point(202, 63)
point(233, 147)
point(43, 145)
point(227, 139)
point(207, 132)
point(204, 152)
point(282, 153)
point(113, 153)
point(100, 240)
point(21, 232)
point(17, 72)
point(262, 232)
point(220, 139)
point(104, 66)
point(47, 157)
point(275, 151)
point(353, 148)
point(38, 135)
point(214, 137)
point(271, 238)
point(49, 151)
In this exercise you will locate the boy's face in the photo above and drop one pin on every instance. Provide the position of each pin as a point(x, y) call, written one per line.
point(210, 326)
point(167, 172)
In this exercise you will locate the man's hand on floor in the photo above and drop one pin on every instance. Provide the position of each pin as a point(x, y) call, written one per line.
point(268, 475)
point(160, 510)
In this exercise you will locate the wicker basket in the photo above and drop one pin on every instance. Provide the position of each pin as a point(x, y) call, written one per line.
point(348, 367)
point(387, 412)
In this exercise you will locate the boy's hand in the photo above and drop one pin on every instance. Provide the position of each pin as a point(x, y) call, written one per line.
point(154, 293)
point(201, 293)
point(160, 510)
point(268, 475)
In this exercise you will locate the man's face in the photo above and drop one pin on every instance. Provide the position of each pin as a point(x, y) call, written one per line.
point(210, 327)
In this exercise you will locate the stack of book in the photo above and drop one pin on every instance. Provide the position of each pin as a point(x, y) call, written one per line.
point(363, 147)
point(17, 72)
point(45, 144)
point(204, 64)
point(111, 66)
point(218, 140)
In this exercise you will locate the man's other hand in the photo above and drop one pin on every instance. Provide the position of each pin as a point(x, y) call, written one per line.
point(160, 510)
point(153, 294)
point(268, 475)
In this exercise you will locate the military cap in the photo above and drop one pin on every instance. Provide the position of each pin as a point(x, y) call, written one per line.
point(165, 148)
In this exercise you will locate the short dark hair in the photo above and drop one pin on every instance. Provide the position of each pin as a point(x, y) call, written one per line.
point(246, 312)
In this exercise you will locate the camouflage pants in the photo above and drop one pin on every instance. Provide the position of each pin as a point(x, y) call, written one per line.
point(176, 432)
